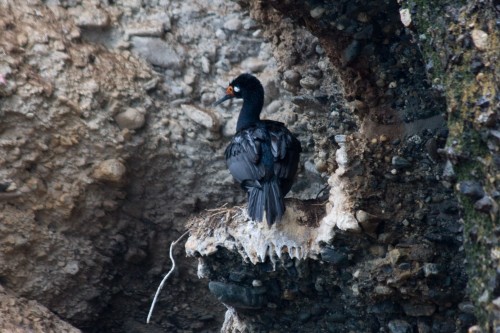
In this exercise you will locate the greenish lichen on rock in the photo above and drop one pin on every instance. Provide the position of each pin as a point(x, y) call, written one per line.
point(461, 40)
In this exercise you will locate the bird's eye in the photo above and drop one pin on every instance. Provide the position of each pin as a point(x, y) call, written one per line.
point(236, 89)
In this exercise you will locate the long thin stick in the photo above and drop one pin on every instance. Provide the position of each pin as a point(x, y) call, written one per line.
point(166, 276)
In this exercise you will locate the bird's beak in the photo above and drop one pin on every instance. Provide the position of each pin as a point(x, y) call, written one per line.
point(229, 94)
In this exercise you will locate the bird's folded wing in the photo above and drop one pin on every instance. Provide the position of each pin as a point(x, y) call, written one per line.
point(243, 155)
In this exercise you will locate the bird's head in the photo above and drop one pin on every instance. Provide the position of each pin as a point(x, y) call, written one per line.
point(242, 86)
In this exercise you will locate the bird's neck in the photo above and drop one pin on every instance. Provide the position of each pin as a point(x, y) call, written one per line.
point(250, 111)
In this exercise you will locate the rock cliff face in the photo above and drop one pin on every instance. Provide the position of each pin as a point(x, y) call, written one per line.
point(110, 149)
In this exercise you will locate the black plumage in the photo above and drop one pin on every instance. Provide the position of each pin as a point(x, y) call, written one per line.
point(263, 155)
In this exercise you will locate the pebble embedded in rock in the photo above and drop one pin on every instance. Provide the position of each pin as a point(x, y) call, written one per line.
point(317, 12)
point(220, 34)
point(405, 16)
point(91, 19)
point(399, 326)
point(480, 39)
point(309, 82)
point(254, 65)
point(292, 77)
point(11, 187)
point(400, 162)
point(257, 283)
point(334, 256)
point(383, 290)
point(71, 267)
point(202, 117)
point(152, 28)
point(233, 24)
point(471, 189)
point(157, 52)
point(369, 223)
point(485, 204)
point(110, 170)
point(237, 296)
point(431, 269)
point(351, 52)
point(419, 310)
point(130, 119)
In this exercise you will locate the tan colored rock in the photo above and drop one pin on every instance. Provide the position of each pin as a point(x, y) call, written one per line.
point(110, 170)
point(130, 119)
point(19, 315)
point(480, 39)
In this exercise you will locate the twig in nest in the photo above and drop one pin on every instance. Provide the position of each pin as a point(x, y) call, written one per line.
point(166, 276)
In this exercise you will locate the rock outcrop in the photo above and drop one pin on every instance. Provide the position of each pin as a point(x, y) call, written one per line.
point(110, 149)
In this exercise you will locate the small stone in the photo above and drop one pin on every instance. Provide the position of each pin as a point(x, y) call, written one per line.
point(201, 117)
point(405, 16)
point(431, 146)
point(317, 12)
point(383, 290)
point(496, 302)
point(254, 65)
point(467, 307)
point(340, 138)
point(71, 267)
point(485, 296)
point(11, 187)
point(334, 255)
point(233, 24)
point(400, 162)
point(110, 170)
point(448, 171)
point(471, 189)
point(485, 204)
point(220, 34)
point(257, 33)
point(151, 84)
point(369, 223)
point(237, 296)
point(480, 39)
point(257, 283)
point(91, 19)
point(130, 119)
point(419, 310)
point(156, 52)
point(249, 24)
point(319, 50)
point(151, 28)
point(431, 269)
point(487, 119)
point(395, 256)
point(274, 106)
point(292, 77)
point(309, 82)
point(399, 326)
point(351, 52)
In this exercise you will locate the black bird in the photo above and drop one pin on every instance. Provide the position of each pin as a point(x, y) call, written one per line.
point(263, 155)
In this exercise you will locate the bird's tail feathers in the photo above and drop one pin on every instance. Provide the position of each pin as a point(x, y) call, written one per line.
point(266, 198)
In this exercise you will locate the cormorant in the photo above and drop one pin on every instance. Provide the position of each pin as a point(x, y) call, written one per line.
point(263, 155)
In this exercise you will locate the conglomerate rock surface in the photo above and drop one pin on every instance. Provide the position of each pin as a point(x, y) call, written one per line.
point(110, 149)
